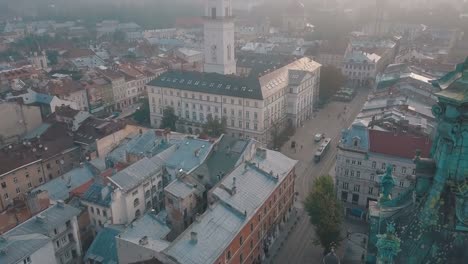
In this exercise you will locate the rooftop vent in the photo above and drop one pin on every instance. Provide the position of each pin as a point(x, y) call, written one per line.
point(193, 237)
point(143, 240)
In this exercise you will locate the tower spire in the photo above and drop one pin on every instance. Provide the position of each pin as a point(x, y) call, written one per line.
point(219, 37)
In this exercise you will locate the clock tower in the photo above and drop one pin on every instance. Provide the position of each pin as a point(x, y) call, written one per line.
point(219, 37)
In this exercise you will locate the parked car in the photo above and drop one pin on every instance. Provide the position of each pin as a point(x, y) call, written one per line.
point(318, 137)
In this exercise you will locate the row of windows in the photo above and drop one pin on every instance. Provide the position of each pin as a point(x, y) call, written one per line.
point(272, 216)
point(358, 67)
point(383, 166)
point(210, 98)
point(98, 211)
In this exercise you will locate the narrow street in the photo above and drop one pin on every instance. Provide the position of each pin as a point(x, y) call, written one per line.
point(299, 246)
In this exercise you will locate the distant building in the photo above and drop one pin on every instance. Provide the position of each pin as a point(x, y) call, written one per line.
point(361, 68)
point(364, 152)
point(294, 17)
point(17, 120)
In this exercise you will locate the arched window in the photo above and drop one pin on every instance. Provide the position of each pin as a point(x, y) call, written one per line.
point(229, 56)
point(136, 202)
point(147, 194)
point(148, 205)
point(137, 213)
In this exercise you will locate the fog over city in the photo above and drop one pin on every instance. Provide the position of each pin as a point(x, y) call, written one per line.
point(233, 131)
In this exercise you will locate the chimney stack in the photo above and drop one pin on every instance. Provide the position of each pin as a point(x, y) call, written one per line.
point(193, 237)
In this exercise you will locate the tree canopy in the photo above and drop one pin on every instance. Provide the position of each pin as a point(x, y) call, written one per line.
point(326, 212)
point(214, 127)
point(142, 115)
point(331, 80)
point(169, 118)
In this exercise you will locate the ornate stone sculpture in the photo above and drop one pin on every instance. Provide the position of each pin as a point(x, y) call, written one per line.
point(387, 183)
point(388, 245)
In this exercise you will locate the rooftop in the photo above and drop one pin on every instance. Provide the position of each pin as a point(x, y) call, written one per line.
point(155, 236)
point(218, 226)
point(215, 229)
point(188, 154)
point(104, 246)
point(222, 161)
point(55, 216)
point(401, 145)
point(262, 81)
point(17, 247)
point(136, 173)
point(60, 188)
point(228, 85)
point(54, 141)
point(98, 193)
point(180, 189)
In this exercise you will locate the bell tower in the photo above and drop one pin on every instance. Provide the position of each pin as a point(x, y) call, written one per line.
point(219, 37)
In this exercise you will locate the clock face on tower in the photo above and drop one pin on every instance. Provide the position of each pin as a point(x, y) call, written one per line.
point(213, 53)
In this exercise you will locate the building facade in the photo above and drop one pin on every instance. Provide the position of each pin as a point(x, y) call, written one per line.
point(363, 154)
point(53, 237)
point(251, 107)
point(26, 166)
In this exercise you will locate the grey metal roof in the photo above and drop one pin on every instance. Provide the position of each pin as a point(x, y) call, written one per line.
point(215, 229)
point(188, 154)
point(219, 225)
point(21, 246)
point(137, 173)
point(52, 217)
point(254, 183)
point(60, 188)
point(153, 227)
point(180, 189)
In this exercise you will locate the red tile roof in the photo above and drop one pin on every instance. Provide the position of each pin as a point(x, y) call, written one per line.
point(399, 145)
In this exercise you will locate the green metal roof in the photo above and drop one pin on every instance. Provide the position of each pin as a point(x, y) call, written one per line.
point(454, 84)
point(104, 246)
point(228, 85)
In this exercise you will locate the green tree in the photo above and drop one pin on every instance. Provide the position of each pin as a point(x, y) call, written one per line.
point(52, 56)
point(169, 118)
point(214, 127)
point(119, 36)
point(331, 80)
point(142, 115)
point(326, 213)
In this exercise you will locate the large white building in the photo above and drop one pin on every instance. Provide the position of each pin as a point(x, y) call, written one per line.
point(264, 93)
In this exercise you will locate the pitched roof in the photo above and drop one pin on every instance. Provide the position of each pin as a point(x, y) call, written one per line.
point(53, 217)
point(60, 188)
point(213, 83)
point(399, 145)
point(18, 247)
point(135, 174)
point(218, 226)
point(104, 246)
point(156, 235)
point(94, 194)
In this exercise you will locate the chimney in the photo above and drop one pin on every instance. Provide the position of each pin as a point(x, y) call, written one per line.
point(60, 204)
point(234, 188)
point(40, 219)
point(193, 237)
point(143, 241)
